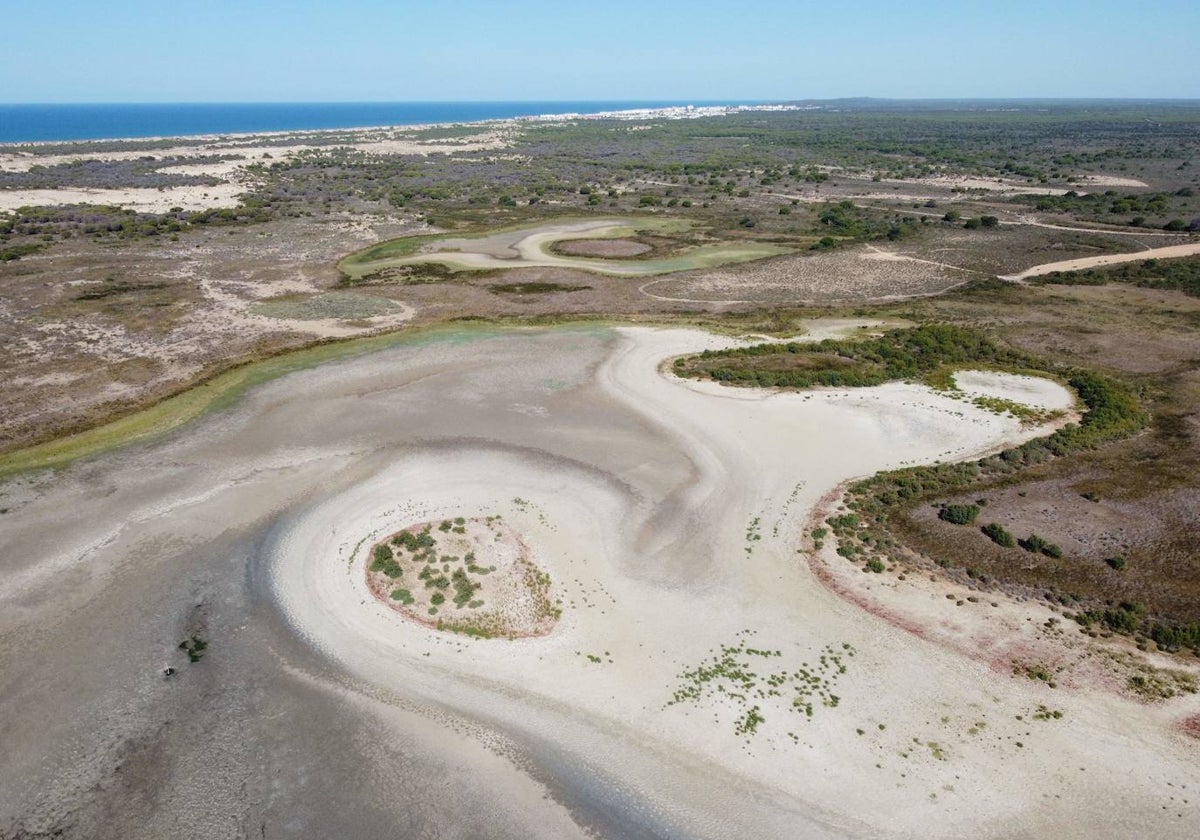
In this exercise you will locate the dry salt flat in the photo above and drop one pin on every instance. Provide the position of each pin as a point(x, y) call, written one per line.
point(669, 516)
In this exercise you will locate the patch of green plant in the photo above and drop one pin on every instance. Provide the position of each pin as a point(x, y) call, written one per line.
point(1043, 712)
point(995, 532)
point(1036, 545)
point(464, 587)
point(1157, 684)
point(112, 287)
point(1182, 275)
point(730, 672)
point(958, 514)
point(910, 353)
point(1024, 413)
point(1131, 619)
point(194, 646)
point(344, 306)
point(533, 288)
point(14, 252)
point(414, 542)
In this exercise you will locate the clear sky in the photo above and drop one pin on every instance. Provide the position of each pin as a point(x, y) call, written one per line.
point(376, 50)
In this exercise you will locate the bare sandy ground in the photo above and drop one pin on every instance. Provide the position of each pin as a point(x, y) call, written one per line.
point(145, 199)
point(1032, 391)
point(1190, 249)
point(993, 185)
point(670, 517)
point(850, 274)
point(1104, 180)
point(244, 151)
point(661, 577)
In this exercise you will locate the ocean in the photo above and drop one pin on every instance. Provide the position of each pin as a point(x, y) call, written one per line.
point(42, 123)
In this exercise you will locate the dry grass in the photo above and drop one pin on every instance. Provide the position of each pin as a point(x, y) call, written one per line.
point(604, 248)
point(850, 276)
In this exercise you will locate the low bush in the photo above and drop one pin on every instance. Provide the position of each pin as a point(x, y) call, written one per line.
point(958, 514)
point(997, 534)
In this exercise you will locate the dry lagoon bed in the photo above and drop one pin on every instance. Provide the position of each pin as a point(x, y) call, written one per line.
point(702, 681)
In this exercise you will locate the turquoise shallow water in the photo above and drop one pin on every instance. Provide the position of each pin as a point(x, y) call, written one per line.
point(40, 123)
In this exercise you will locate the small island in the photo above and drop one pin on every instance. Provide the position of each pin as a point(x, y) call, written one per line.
point(469, 576)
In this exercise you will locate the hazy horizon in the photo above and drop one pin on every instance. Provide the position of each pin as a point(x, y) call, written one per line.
point(648, 102)
point(471, 51)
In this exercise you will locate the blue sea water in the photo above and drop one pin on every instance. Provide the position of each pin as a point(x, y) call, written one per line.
point(35, 123)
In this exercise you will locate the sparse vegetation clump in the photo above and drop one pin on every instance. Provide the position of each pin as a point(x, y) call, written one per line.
point(468, 576)
point(911, 353)
point(1130, 618)
point(730, 673)
point(995, 532)
point(1111, 412)
point(1182, 275)
point(1036, 545)
point(958, 514)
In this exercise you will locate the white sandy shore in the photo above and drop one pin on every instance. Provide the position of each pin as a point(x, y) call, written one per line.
point(655, 570)
point(1032, 391)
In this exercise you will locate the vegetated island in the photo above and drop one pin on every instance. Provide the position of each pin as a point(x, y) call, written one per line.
point(470, 576)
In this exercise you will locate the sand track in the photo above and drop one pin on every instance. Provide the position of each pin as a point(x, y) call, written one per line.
point(1190, 249)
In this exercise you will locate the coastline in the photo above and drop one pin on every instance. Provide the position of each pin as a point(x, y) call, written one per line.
point(664, 112)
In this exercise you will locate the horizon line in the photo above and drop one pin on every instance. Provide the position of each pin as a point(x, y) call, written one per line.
point(682, 100)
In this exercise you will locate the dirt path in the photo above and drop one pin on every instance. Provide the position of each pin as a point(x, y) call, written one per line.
point(1032, 222)
point(645, 286)
point(1190, 249)
point(892, 256)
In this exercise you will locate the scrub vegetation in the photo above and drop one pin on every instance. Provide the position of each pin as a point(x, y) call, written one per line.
point(1111, 411)
point(750, 677)
point(468, 576)
point(841, 209)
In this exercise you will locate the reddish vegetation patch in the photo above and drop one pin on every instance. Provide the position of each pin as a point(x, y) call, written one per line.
point(844, 590)
point(601, 248)
point(1191, 726)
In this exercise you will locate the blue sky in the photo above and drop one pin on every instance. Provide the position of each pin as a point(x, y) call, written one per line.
point(373, 50)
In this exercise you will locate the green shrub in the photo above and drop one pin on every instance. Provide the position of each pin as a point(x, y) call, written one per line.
point(1036, 545)
point(997, 534)
point(1033, 544)
point(958, 514)
point(383, 561)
